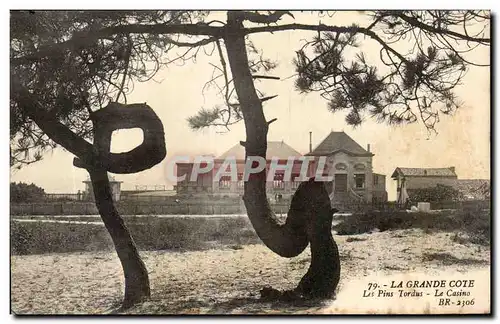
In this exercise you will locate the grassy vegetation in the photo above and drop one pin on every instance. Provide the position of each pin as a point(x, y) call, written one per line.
point(198, 233)
point(470, 225)
point(149, 233)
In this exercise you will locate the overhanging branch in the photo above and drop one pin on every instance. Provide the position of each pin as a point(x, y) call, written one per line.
point(194, 44)
point(327, 28)
point(256, 17)
point(88, 37)
point(439, 31)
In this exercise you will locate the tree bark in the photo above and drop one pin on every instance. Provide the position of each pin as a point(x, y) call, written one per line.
point(136, 274)
point(114, 116)
point(287, 240)
point(324, 272)
point(310, 215)
point(105, 121)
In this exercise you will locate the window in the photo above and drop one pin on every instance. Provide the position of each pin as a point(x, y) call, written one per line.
point(240, 180)
point(295, 181)
point(278, 182)
point(225, 182)
point(359, 180)
point(375, 180)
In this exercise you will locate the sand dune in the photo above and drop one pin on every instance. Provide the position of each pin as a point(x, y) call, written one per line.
point(225, 280)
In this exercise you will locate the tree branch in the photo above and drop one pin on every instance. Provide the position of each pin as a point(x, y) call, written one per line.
point(272, 121)
point(260, 18)
point(125, 70)
point(256, 76)
point(336, 29)
point(415, 22)
point(88, 37)
point(195, 44)
point(261, 100)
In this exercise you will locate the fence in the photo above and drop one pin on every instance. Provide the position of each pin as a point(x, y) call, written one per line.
point(177, 199)
point(150, 187)
point(64, 197)
point(130, 208)
point(52, 208)
point(391, 206)
point(208, 208)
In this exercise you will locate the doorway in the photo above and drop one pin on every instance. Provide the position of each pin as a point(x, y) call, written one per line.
point(341, 183)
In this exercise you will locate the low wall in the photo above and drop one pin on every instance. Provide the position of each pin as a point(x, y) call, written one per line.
point(136, 208)
point(215, 208)
point(64, 208)
point(471, 204)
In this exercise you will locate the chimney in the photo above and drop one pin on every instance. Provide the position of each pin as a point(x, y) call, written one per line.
point(310, 142)
point(368, 147)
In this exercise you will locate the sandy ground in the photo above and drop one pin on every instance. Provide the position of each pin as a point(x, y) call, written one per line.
point(227, 280)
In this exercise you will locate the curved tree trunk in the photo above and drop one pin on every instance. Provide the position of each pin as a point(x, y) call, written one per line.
point(324, 272)
point(310, 216)
point(287, 240)
point(105, 121)
point(136, 274)
point(89, 157)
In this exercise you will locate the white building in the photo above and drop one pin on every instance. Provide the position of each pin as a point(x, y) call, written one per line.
point(115, 189)
point(350, 165)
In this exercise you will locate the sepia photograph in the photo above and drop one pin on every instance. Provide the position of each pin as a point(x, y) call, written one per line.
point(250, 162)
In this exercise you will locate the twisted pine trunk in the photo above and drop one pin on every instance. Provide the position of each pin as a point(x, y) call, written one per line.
point(324, 272)
point(310, 215)
point(136, 274)
point(97, 160)
point(150, 152)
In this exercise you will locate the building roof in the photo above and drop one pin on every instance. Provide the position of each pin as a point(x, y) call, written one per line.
point(424, 172)
point(276, 149)
point(339, 141)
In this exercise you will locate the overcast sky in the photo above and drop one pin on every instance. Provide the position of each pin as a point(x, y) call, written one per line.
point(463, 139)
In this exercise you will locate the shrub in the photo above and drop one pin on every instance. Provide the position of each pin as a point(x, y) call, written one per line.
point(24, 193)
point(149, 233)
point(474, 223)
point(435, 194)
point(44, 237)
